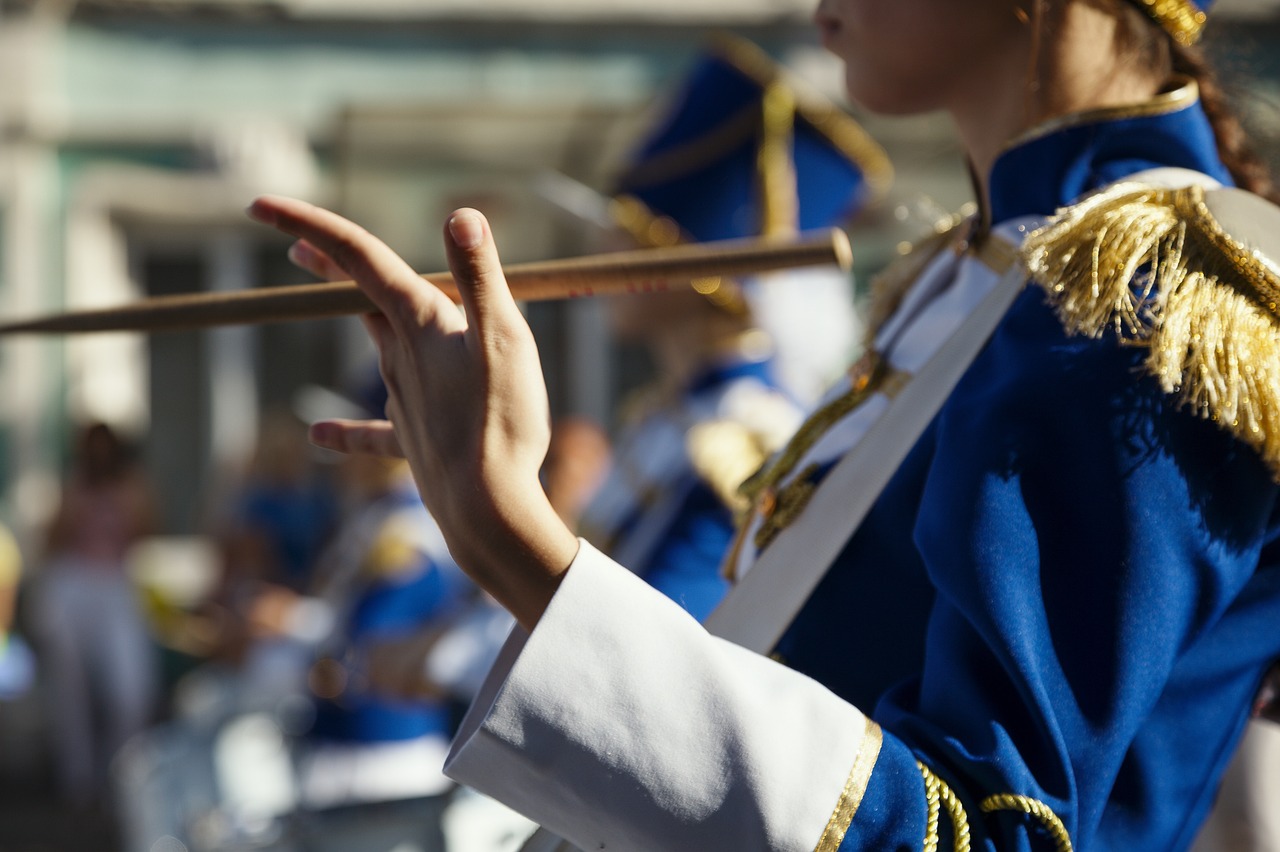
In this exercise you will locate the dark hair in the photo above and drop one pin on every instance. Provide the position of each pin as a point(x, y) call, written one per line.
point(1151, 45)
point(1247, 168)
point(102, 456)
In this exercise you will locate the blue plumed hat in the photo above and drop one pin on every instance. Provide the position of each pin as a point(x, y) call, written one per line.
point(1182, 19)
point(742, 151)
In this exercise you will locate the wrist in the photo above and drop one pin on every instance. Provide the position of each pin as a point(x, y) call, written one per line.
point(517, 551)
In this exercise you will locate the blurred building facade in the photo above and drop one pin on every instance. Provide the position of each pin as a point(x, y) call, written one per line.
point(134, 132)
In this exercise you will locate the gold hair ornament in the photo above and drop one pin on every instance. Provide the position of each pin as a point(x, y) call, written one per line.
point(1154, 266)
point(1182, 19)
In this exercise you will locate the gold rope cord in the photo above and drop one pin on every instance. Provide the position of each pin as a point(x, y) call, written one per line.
point(760, 490)
point(1035, 808)
point(868, 375)
point(933, 800)
point(939, 796)
point(871, 370)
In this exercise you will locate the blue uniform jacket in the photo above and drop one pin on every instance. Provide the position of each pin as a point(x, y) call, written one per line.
point(1069, 591)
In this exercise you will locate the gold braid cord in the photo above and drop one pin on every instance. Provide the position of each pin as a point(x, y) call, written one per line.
point(1154, 266)
point(1034, 807)
point(867, 375)
point(940, 797)
point(763, 492)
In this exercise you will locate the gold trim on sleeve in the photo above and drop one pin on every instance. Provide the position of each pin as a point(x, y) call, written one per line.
point(854, 789)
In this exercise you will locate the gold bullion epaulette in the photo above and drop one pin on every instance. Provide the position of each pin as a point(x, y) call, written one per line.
point(724, 453)
point(1189, 274)
point(727, 450)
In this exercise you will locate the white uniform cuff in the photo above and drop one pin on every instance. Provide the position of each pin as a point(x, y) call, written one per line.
point(621, 724)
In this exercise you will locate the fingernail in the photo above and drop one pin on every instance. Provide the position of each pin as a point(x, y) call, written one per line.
point(257, 211)
point(321, 434)
point(467, 229)
point(300, 253)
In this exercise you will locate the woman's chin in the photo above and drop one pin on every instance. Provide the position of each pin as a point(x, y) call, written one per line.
point(882, 100)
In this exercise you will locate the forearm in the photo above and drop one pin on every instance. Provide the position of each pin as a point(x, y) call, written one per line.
point(517, 551)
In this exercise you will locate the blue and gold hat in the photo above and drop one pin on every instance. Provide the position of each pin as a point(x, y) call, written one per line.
point(1182, 19)
point(743, 151)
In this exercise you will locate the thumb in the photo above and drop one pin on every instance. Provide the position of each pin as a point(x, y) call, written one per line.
point(473, 260)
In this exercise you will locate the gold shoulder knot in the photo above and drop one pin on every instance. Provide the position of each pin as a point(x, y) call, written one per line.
point(1184, 273)
point(725, 453)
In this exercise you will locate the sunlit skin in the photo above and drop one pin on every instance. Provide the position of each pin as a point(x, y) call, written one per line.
point(467, 397)
point(982, 63)
point(465, 392)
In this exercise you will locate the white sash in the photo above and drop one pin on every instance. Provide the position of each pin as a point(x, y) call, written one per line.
point(762, 604)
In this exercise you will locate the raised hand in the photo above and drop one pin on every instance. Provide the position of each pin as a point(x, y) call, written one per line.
point(467, 402)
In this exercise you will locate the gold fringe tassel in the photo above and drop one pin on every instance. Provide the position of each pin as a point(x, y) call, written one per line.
point(1154, 266)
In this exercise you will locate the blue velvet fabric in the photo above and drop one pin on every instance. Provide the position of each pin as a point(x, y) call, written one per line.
point(1069, 591)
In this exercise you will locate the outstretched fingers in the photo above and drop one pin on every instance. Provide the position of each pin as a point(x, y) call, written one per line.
point(397, 291)
point(306, 256)
point(477, 271)
point(368, 437)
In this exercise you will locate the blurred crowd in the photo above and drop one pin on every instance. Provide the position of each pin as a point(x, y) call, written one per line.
point(262, 685)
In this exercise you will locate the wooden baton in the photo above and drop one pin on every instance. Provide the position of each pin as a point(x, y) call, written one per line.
point(639, 271)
